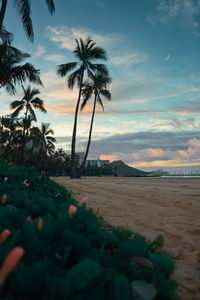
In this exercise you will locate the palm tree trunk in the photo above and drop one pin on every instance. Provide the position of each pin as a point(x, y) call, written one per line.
point(90, 133)
point(73, 167)
point(2, 12)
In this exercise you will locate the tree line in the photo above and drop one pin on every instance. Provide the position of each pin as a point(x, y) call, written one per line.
point(20, 141)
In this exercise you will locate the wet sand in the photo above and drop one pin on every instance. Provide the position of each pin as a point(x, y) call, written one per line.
point(151, 206)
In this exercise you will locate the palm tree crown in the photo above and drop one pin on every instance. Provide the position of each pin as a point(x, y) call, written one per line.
point(29, 102)
point(86, 53)
point(11, 71)
point(98, 87)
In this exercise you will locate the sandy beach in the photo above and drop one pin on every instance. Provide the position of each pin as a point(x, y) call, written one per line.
point(151, 206)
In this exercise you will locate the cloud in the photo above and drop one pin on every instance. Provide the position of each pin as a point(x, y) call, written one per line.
point(127, 59)
point(65, 37)
point(184, 12)
point(150, 143)
point(58, 58)
point(186, 107)
point(40, 50)
point(107, 157)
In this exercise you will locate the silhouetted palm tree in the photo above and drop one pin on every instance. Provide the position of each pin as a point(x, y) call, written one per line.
point(98, 88)
point(23, 8)
point(28, 103)
point(12, 72)
point(46, 141)
point(87, 53)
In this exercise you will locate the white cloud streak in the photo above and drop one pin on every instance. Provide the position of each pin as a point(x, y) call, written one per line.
point(185, 12)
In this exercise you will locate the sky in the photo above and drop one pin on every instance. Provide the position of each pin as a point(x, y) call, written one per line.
point(153, 50)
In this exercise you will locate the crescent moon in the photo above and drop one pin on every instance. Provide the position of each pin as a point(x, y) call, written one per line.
point(167, 58)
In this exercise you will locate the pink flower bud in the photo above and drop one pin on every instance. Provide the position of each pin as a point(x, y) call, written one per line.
point(72, 210)
point(5, 179)
point(28, 219)
point(4, 234)
point(10, 263)
point(57, 195)
point(83, 201)
point(3, 199)
point(40, 224)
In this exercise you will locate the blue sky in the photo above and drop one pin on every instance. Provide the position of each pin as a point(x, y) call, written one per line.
point(153, 47)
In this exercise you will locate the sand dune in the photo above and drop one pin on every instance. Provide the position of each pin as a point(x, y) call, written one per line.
point(151, 206)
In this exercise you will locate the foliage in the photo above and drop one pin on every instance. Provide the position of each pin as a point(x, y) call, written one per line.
point(71, 257)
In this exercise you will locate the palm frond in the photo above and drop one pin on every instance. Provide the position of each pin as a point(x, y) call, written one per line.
point(32, 114)
point(17, 111)
point(51, 6)
point(63, 69)
point(51, 139)
point(34, 92)
point(21, 73)
point(10, 88)
point(5, 36)
point(97, 53)
point(106, 94)
point(100, 102)
point(16, 104)
point(98, 68)
point(24, 10)
point(74, 77)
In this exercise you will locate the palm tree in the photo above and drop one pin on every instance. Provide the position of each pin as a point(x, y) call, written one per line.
point(11, 71)
point(46, 141)
point(87, 53)
point(98, 87)
point(29, 102)
point(23, 8)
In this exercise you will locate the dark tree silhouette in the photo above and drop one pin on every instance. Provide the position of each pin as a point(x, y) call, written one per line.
point(98, 88)
point(23, 8)
point(87, 53)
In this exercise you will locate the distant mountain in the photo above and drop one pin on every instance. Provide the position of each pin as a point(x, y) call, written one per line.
point(121, 169)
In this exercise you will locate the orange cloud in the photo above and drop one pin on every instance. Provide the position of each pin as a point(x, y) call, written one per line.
point(67, 109)
point(156, 152)
point(183, 113)
point(107, 157)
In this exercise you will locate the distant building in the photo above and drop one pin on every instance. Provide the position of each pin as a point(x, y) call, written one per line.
point(97, 162)
point(159, 172)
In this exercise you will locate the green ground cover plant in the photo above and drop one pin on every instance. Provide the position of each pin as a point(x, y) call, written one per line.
point(51, 247)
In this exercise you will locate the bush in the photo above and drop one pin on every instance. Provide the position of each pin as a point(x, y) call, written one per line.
point(70, 256)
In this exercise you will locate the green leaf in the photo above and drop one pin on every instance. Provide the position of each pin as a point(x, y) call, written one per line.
point(30, 242)
point(107, 238)
point(143, 290)
point(133, 247)
point(48, 204)
point(82, 274)
point(162, 262)
point(121, 287)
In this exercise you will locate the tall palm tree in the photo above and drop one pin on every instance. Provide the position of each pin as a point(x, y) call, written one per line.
point(87, 53)
point(12, 72)
point(23, 8)
point(98, 88)
point(29, 102)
